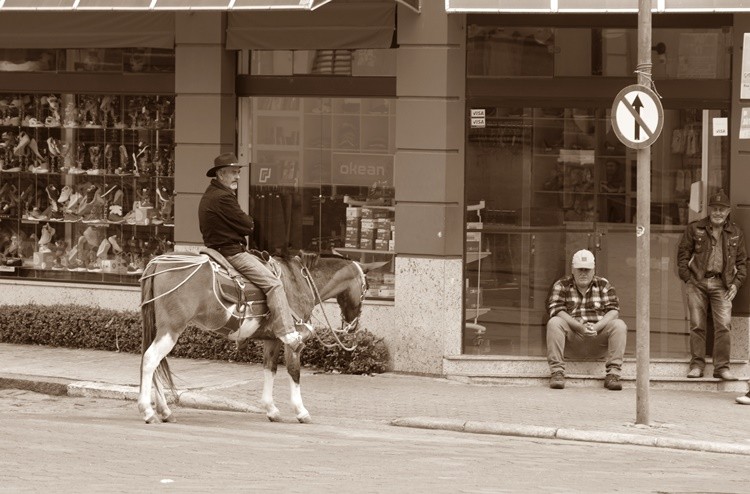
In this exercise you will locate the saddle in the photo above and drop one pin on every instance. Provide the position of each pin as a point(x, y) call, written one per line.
point(235, 288)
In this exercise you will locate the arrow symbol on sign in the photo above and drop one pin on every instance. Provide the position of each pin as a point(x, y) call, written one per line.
point(637, 105)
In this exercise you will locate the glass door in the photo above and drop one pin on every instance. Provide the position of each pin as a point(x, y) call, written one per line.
point(551, 181)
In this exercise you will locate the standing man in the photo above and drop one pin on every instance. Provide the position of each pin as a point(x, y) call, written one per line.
point(224, 226)
point(712, 262)
point(584, 314)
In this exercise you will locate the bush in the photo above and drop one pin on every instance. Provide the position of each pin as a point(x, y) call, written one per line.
point(75, 326)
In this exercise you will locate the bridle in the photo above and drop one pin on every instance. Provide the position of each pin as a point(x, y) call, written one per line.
point(346, 327)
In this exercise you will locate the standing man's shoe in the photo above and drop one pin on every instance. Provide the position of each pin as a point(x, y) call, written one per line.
point(744, 399)
point(725, 375)
point(557, 380)
point(695, 373)
point(612, 382)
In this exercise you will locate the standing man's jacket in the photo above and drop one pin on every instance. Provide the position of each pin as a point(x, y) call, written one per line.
point(695, 247)
point(223, 223)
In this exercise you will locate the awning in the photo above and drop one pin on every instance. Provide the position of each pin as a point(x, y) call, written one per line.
point(45, 29)
point(40, 5)
point(344, 25)
point(593, 6)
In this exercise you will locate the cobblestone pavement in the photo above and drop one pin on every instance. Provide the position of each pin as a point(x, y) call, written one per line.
point(680, 415)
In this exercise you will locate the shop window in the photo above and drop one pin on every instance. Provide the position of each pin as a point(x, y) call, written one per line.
point(95, 60)
point(322, 179)
point(542, 183)
point(86, 185)
point(354, 63)
point(495, 51)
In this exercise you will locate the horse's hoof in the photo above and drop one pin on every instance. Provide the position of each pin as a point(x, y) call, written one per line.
point(274, 416)
point(153, 419)
point(304, 418)
point(169, 419)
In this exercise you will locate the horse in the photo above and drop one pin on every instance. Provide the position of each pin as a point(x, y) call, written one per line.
point(180, 289)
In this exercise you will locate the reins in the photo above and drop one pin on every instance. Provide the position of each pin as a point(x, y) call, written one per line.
point(317, 300)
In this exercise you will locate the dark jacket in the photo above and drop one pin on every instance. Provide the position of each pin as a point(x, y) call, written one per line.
point(224, 225)
point(695, 247)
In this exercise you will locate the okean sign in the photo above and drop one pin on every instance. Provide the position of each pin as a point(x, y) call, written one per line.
point(361, 169)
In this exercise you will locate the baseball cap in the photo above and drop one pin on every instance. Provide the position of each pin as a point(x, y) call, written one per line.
point(583, 259)
point(719, 199)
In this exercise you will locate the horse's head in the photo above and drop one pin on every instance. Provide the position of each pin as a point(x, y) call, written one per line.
point(351, 299)
point(347, 281)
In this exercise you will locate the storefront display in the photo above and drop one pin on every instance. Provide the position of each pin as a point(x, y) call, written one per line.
point(86, 183)
point(322, 179)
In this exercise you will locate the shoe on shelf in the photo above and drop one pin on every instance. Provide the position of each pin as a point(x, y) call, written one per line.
point(695, 373)
point(744, 399)
point(725, 375)
point(557, 380)
point(612, 382)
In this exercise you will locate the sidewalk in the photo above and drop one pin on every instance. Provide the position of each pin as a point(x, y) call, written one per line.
point(702, 421)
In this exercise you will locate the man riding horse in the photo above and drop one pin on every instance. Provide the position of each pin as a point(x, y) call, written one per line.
point(224, 226)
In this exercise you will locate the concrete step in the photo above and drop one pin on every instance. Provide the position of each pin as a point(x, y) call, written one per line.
point(581, 381)
point(534, 371)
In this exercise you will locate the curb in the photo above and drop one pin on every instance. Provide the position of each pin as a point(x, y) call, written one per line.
point(505, 429)
point(91, 389)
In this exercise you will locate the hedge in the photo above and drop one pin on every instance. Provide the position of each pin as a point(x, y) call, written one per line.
point(75, 326)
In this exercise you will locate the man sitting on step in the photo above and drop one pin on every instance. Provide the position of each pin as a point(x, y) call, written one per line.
point(584, 315)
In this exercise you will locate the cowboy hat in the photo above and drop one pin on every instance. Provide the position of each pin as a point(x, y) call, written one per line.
point(222, 161)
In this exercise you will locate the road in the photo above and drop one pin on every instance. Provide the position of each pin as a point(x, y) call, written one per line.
point(63, 444)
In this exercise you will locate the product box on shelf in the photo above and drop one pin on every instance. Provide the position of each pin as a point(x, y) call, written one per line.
point(381, 244)
point(473, 238)
point(383, 234)
point(473, 297)
point(353, 212)
point(368, 224)
point(352, 222)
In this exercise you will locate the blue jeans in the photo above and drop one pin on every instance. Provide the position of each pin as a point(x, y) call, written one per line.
point(280, 321)
point(609, 342)
point(701, 294)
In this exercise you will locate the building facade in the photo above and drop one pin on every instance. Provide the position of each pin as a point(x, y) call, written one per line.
point(356, 118)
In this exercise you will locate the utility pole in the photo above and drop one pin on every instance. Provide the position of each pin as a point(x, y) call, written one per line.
point(643, 232)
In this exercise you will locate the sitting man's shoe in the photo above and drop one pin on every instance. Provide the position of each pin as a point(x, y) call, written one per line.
point(744, 399)
point(293, 340)
point(612, 382)
point(695, 373)
point(725, 375)
point(557, 380)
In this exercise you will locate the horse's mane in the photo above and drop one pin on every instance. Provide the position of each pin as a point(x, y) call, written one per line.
point(308, 259)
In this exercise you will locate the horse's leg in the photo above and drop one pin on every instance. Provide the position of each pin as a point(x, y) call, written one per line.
point(159, 348)
point(271, 349)
point(165, 414)
point(292, 360)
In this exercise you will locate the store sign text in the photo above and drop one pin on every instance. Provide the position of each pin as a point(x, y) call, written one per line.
point(361, 169)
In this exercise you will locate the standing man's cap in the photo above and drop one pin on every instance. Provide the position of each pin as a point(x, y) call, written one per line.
point(719, 199)
point(583, 259)
point(222, 161)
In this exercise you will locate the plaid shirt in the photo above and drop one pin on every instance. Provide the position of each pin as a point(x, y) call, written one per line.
point(599, 299)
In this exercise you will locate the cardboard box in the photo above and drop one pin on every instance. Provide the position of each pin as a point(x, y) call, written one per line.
point(381, 244)
point(352, 222)
point(368, 224)
point(383, 234)
point(353, 212)
point(367, 212)
point(351, 244)
point(387, 292)
point(392, 245)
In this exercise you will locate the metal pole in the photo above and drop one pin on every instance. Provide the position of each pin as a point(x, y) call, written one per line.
point(643, 231)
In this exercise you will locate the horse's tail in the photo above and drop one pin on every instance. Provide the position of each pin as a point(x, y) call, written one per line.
point(148, 316)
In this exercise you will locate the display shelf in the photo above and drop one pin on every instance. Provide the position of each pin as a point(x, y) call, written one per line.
point(100, 165)
point(475, 256)
point(362, 251)
point(472, 313)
